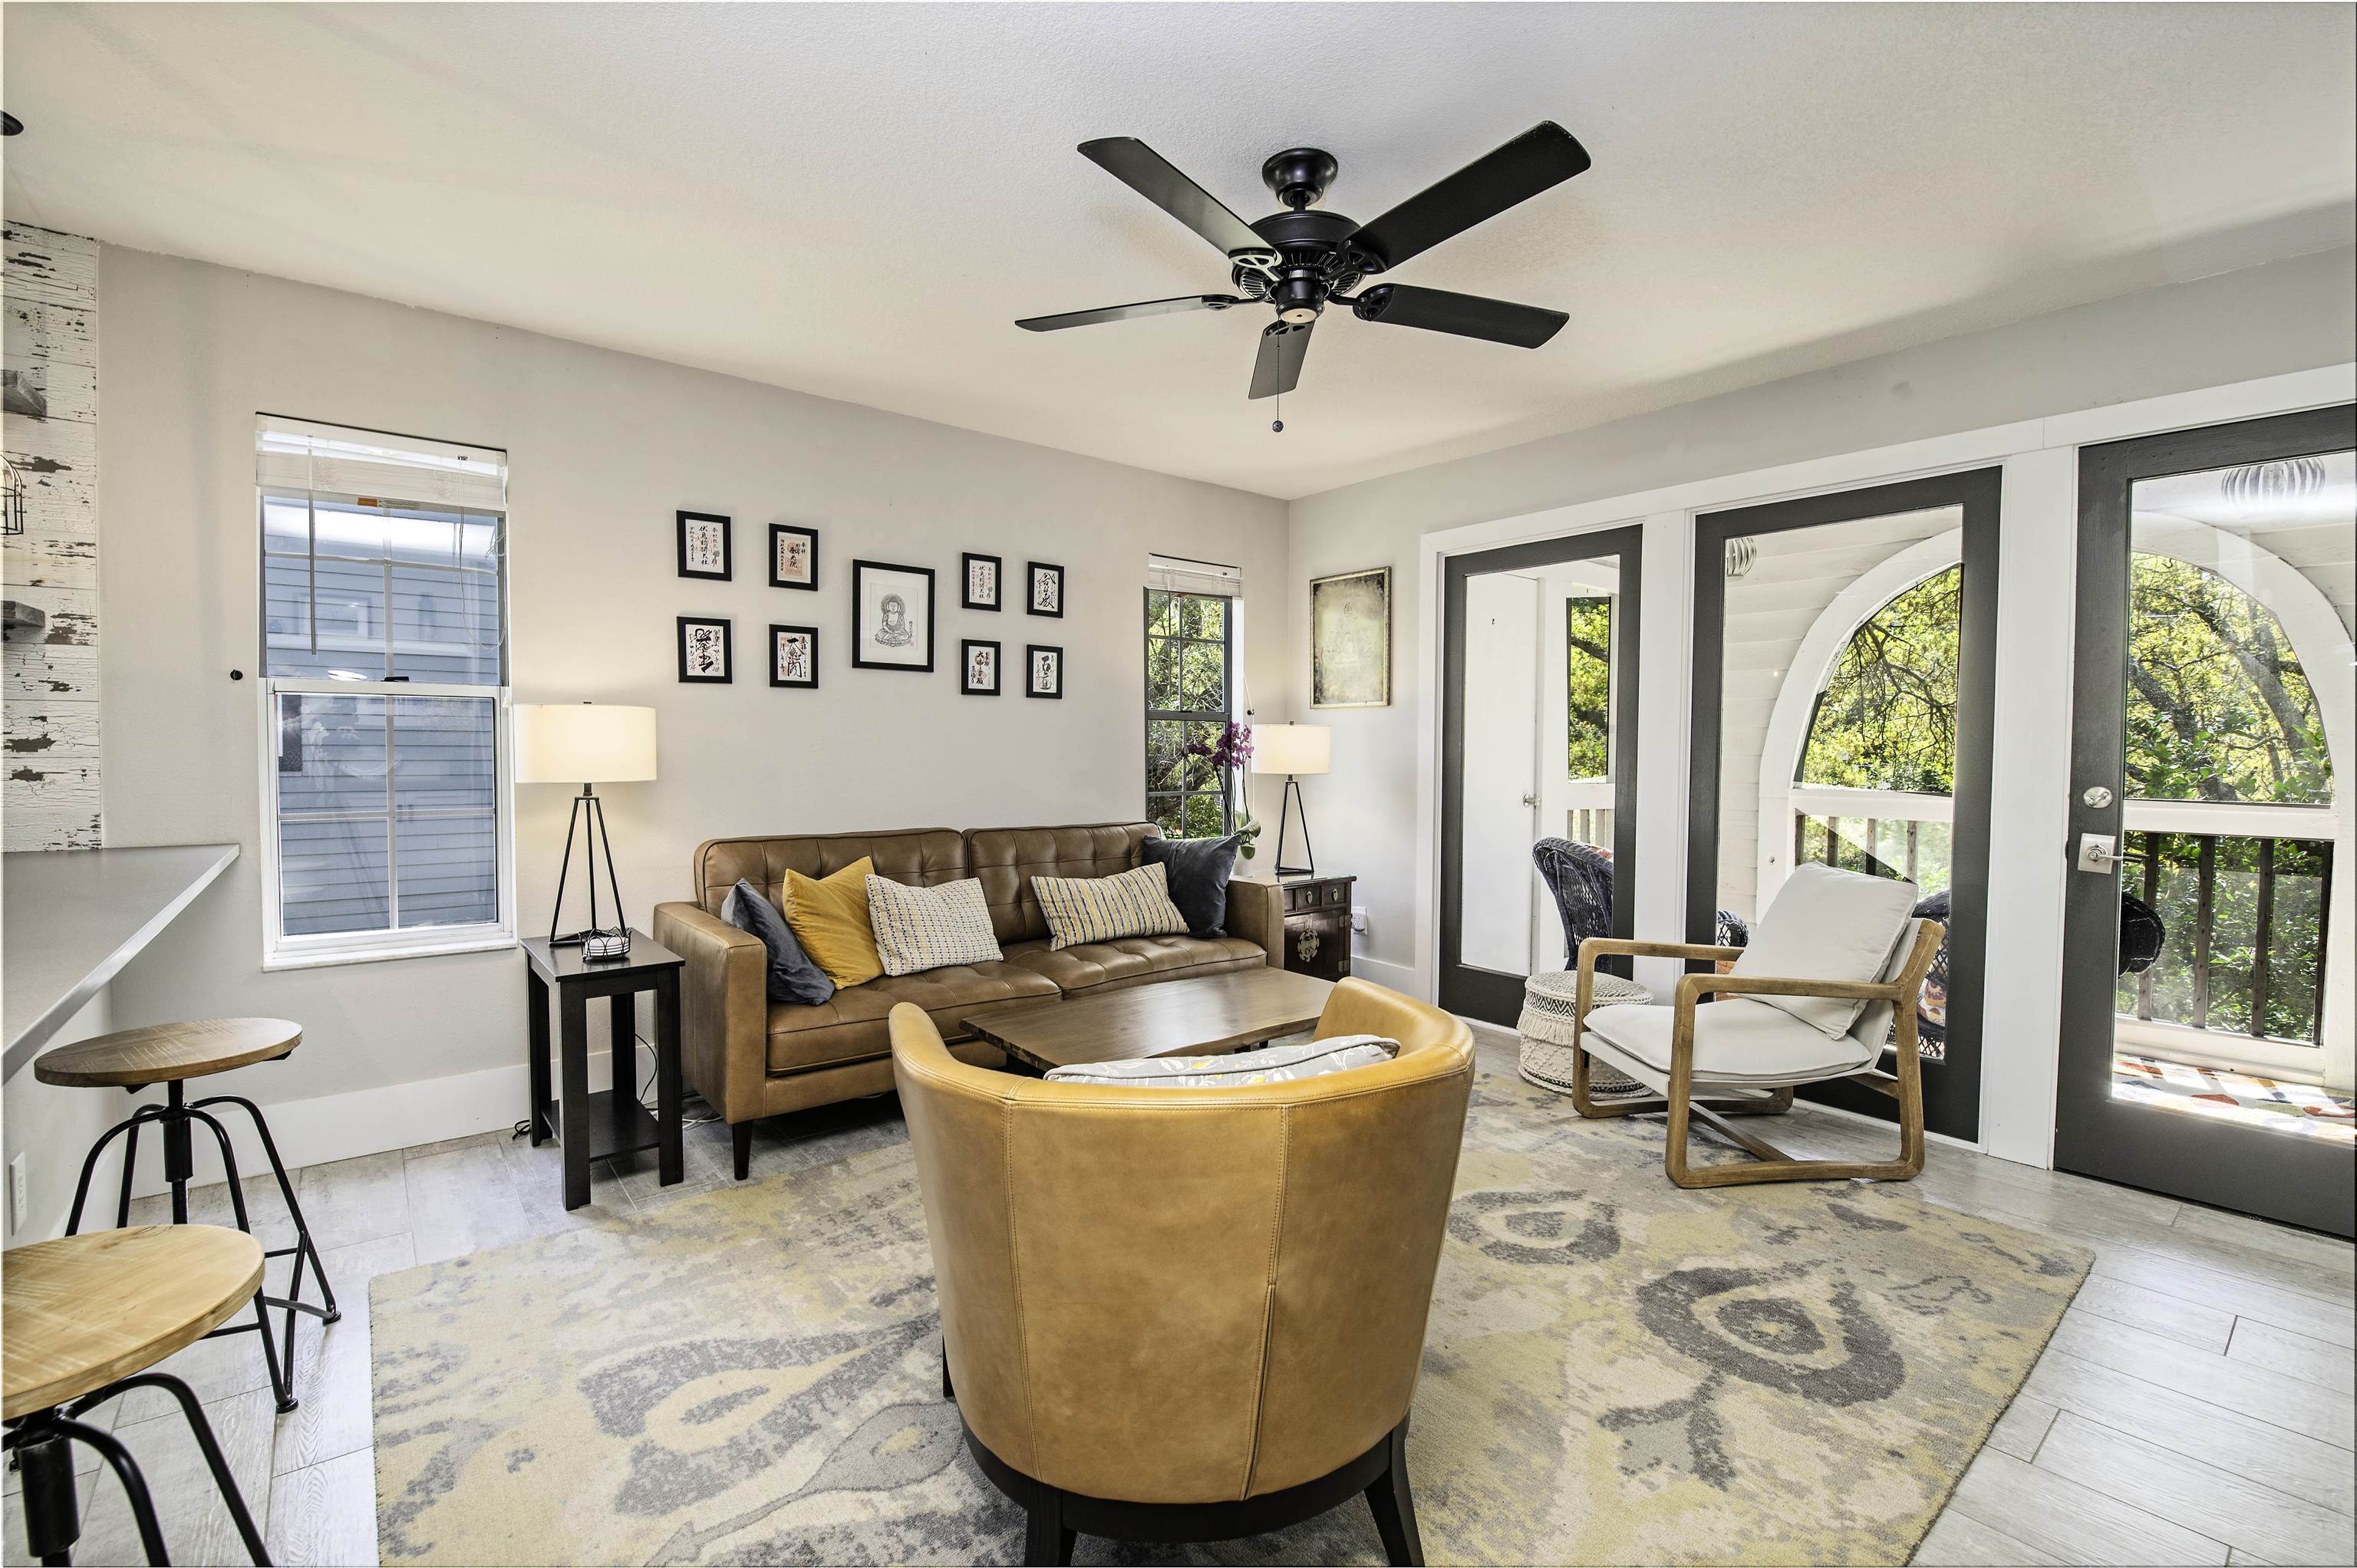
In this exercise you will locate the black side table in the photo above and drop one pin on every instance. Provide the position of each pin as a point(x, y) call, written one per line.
point(594, 1126)
point(1317, 925)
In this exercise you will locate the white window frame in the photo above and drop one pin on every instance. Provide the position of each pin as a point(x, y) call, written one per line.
point(281, 952)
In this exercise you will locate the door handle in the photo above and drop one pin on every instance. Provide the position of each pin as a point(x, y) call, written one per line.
point(2098, 851)
point(1530, 800)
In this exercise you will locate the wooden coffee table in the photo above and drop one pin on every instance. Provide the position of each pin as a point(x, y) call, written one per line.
point(1175, 1017)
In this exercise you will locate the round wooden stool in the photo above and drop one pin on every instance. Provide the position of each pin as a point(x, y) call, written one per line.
point(170, 1054)
point(88, 1316)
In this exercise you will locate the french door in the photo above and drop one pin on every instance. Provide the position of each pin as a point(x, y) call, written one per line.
point(1539, 741)
point(1845, 680)
point(2206, 1017)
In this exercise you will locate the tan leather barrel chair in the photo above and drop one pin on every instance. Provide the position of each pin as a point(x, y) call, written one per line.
point(1190, 1314)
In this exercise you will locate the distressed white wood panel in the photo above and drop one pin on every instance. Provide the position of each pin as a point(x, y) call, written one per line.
point(40, 673)
point(48, 304)
point(43, 264)
point(68, 728)
point(34, 332)
point(48, 558)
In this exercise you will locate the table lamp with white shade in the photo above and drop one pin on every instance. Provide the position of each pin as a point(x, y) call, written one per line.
point(585, 744)
point(1293, 750)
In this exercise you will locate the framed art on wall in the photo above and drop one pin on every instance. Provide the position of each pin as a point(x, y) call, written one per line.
point(1350, 639)
point(978, 668)
point(704, 546)
point(793, 656)
point(793, 556)
point(1046, 589)
point(1043, 672)
point(980, 574)
point(704, 650)
point(892, 617)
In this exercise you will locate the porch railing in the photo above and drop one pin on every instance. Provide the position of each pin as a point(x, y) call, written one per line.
point(2246, 913)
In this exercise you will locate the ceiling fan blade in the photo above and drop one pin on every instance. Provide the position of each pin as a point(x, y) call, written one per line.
point(1155, 177)
point(1544, 156)
point(1466, 314)
point(1283, 347)
point(1129, 312)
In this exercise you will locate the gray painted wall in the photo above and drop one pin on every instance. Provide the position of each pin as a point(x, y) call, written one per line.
point(2288, 315)
point(602, 448)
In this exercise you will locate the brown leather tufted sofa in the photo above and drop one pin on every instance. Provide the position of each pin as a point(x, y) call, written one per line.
point(1190, 1314)
point(751, 1058)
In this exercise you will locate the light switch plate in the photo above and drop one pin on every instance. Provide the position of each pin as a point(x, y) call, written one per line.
point(20, 1200)
point(1358, 918)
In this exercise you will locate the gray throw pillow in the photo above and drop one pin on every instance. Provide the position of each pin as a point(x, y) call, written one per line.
point(1196, 871)
point(793, 976)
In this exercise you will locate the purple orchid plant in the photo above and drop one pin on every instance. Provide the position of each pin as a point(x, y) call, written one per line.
point(1228, 755)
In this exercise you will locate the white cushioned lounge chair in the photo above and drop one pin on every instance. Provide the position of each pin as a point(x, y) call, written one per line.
point(1837, 960)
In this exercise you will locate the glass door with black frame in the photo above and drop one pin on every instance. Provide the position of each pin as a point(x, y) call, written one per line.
point(1539, 764)
point(2207, 1030)
point(1844, 658)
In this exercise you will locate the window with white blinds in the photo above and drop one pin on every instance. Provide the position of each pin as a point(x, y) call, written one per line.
point(384, 690)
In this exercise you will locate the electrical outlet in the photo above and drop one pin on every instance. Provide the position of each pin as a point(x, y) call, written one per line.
point(19, 1198)
point(1358, 918)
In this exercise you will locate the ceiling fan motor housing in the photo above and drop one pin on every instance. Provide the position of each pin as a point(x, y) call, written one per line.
point(1314, 262)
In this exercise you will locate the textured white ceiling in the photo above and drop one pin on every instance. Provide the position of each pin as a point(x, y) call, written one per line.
point(857, 200)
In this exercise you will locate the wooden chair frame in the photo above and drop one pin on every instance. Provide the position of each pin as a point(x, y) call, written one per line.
point(1768, 1162)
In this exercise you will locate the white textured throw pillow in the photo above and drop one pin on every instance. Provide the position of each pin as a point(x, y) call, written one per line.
point(1270, 1064)
point(925, 928)
point(1827, 925)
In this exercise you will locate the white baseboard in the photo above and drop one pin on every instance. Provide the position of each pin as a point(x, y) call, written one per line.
point(1396, 977)
point(347, 1126)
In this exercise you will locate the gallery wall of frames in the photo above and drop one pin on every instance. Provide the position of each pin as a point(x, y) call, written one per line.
point(896, 614)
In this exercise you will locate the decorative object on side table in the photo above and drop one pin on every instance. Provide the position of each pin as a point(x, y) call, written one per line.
point(704, 549)
point(793, 656)
point(793, 556)
point(611, 1122)
point(1350, 639)
point(1293, 750)
point(1043, 672)
point(1317, 925)
point(1044, 589)
point(980, 575)
point(978, 668)
point(585, 744)
point(892, 617)
point(706, 655)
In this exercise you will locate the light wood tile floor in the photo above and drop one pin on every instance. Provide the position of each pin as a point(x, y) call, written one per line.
point(2196, 1405)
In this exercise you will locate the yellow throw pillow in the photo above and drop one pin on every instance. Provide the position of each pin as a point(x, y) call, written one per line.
point(830, 920)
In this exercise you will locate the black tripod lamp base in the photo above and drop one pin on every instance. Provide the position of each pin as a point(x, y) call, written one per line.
point(1285, 801)
point(596, 940)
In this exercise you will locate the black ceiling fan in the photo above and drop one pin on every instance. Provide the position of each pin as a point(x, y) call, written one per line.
point(1298, 262)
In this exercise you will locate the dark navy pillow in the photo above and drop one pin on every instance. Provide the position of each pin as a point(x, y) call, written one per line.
point(1196, 871)
point(793, 976)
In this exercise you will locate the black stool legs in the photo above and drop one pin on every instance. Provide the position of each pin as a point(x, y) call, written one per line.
point(173, 1118)
point(42, 1444)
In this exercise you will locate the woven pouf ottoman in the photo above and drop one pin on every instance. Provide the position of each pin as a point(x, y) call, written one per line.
point(1550, 1002)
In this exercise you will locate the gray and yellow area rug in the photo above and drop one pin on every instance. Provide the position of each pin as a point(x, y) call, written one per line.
point(1615, 1371)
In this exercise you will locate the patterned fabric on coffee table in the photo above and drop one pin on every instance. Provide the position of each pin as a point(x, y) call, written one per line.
point(1550, 1005)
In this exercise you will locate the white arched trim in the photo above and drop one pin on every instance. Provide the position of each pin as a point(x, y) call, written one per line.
point(2317, 637)
point(1796, 699)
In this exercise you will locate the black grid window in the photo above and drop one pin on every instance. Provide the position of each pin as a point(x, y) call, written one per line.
point(1189, 670)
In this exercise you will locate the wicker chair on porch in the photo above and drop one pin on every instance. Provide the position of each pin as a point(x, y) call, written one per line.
point(1580, 879)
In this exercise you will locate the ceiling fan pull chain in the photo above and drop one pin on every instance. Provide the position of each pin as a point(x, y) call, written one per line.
point(1277, 424)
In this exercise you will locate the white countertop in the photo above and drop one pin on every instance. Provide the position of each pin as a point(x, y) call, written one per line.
point(73, 917)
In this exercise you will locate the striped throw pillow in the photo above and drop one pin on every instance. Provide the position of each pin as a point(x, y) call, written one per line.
point(1101, 908)
point(926, 928)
